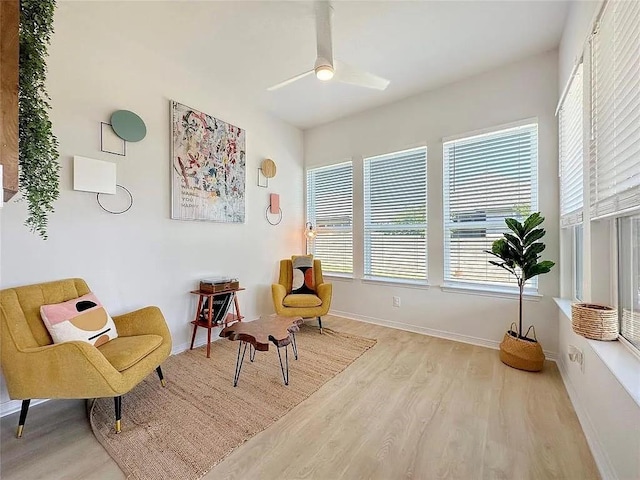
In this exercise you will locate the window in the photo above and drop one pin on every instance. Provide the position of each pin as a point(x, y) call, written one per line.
point(629, 278)
point(615, 76)
point(395, 215)
point(571, 158)
point(615, 147)
point(487, 178)
point(330, 211)
point(578, 262)
point(571, 133)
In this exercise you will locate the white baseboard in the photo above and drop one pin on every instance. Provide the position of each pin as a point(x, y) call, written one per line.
point(13, 406)
point(183, 347)
point(456, 337)
point(599, 455)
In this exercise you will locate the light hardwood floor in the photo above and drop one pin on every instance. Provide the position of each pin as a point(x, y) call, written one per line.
point(413, 406)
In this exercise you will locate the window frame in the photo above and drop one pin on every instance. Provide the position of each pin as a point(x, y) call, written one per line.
point(310, 215)
point(608, 210)
point(616, 280)
point(368, 227)
point(571, 163)
point(577, 258)
point(493, 289)
point(606, 198)
point(567, 164)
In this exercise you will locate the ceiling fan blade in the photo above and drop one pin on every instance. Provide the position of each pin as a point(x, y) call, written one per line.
point(324, 42)
point(288, 81)
point(347, 74)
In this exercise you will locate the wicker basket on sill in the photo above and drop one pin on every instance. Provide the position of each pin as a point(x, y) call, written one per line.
point(595, 321)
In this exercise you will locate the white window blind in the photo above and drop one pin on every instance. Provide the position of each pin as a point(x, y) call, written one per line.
point(487, 178)
point(395, 215)
point(330, 211)
point(615, 146)
point(571, 158)
point(629, 278)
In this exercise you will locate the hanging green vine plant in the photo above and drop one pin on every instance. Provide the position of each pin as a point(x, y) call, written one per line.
point(38, 157)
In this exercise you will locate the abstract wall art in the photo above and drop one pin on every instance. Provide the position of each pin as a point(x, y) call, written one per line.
point(207, 167)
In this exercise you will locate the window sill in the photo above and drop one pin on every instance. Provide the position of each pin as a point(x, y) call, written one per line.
point(489, 291)
point(396, 282)
point(619, 359)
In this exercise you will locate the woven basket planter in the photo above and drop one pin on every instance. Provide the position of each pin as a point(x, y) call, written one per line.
point(595, 321)
point(521, 353)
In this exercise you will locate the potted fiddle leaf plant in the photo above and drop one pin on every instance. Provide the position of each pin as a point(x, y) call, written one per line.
point(519, 254)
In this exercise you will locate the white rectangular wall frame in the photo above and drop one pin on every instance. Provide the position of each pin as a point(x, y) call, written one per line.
point(90, 175)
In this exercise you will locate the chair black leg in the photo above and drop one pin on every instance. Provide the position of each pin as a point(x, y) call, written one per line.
point(320, 324)
point(160, 376)
point(23, 416)
point(118, 405)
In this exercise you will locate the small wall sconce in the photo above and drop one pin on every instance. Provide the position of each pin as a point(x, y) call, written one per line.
point(309, 231)
point(309, 234)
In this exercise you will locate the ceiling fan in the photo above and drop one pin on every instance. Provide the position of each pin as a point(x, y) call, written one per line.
point(326, 68)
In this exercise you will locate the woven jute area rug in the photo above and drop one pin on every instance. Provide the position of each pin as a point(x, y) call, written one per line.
point(185, 429)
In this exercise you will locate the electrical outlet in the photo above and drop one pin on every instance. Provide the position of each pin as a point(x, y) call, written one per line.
point(396, 301)
point(575, 355)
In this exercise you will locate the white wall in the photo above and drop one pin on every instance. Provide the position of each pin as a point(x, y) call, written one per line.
point(609, 415)
point(143, 257)
point(515, 92)
point(574, 36)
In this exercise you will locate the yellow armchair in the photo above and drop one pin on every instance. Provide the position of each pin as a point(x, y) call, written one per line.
point(35, 367)
point(301, 305)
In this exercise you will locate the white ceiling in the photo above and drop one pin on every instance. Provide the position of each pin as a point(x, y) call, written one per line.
point(417, 45)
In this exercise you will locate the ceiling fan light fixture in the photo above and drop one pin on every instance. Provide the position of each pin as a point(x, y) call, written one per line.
point(324, 73)
point(324, 70)
point(324, 67)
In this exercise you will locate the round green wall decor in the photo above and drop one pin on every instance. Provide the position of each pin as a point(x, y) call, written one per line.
point(128, 126)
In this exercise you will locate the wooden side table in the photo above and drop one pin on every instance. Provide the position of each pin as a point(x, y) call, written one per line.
point(207, 322)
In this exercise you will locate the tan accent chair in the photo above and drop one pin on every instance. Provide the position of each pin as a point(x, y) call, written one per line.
point(301, 305)
point(35, 367)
